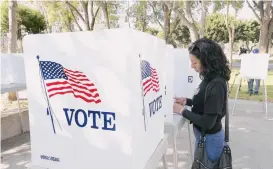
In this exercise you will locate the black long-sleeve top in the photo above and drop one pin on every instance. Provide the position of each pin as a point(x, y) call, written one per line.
point(207, 115)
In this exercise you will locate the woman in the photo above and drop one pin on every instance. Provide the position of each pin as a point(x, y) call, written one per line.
point(209, 60)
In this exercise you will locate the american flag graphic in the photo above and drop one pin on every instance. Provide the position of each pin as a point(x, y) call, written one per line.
point(60, 81)
point(150, 80)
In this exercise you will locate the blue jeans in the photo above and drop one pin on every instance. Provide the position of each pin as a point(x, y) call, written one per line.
point(250, 86)
point(214, 143)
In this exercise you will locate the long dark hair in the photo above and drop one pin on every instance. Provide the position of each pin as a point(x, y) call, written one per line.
point(213, 60)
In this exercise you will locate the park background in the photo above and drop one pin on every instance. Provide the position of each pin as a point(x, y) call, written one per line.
point(233, 24)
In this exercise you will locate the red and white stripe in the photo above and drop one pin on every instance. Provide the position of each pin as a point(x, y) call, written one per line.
point(151, 83)
point(77, 84)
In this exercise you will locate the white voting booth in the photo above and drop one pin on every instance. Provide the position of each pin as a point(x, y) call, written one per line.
point(168, 63)
point(254, 66)
point(181, 81)
point(13, 76)
point(12, 72)
point(87, 92)
point(186, 80)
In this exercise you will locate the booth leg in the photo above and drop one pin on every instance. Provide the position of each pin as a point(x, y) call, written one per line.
point(190, 142)
point(164, 159)
point(236, 96)
point(265, 99)
point(175, 152)
point(20, 115)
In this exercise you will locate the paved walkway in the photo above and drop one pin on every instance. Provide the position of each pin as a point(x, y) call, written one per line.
point(251, 139)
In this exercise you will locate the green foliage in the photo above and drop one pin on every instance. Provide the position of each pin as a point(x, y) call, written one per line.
point(219, 5)
point(181, 34)
point(113, 9)
point(59, 15)
point(245, 30)
point(152, 31)
point(140, 13)
point(248, 31)
point(30, 21)
point(215, 28)
point(4, 17)
point(160, 35)
point(157, 12)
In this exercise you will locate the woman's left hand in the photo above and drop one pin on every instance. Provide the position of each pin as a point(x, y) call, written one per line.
point(178, 108)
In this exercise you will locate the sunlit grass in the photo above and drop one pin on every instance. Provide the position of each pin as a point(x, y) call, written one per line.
point(243, 93)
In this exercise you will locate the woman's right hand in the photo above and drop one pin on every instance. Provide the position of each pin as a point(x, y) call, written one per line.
point(180, 100)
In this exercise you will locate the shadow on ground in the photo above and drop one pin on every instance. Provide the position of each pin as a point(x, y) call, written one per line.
point(15, 152)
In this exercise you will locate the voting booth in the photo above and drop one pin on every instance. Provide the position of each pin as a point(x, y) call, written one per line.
point(12, 72)
point(186, 80)
point(168, 73)
point(95, 98)
point(13, 77)
point(180, 79)
point(254, 66)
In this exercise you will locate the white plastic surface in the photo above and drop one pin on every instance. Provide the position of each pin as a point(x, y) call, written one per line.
point(254, 66)
point(169, 80)
point(12, 72)
point(111, 60)
point(186, 80)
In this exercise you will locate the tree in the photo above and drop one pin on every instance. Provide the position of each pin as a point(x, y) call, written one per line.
point(185, 11)
point(152, 31)
point(42, 7)
point(216, 28)
point(12, 36)
point(139, 11)
point(89, 23)
point(113, 11)
point(162, 13)
point(31, 21)
point(230, 22)
point(248, 31)
point(79, 15)
point(104, 7)
point(57, 16)
point(182, 35)
point(28, 20)
point(263, 10)
point(204, 9)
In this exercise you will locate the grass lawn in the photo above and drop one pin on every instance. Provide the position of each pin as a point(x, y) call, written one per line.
point(243, 93)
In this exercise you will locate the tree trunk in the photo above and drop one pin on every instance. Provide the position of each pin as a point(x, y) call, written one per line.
point(92, 23)
point(85, 19)
point(203, 18)
point(41, 6)
point(264, 36)
point(12, 37)
point(231, 34)
point(167, 23)
point(247, 45)
point(93, 15)
point(86, 16)
point(270, 35)
point(193, 34)
point(143, 25)
point(230, 46)
point(105, 14)
point(266, 15)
